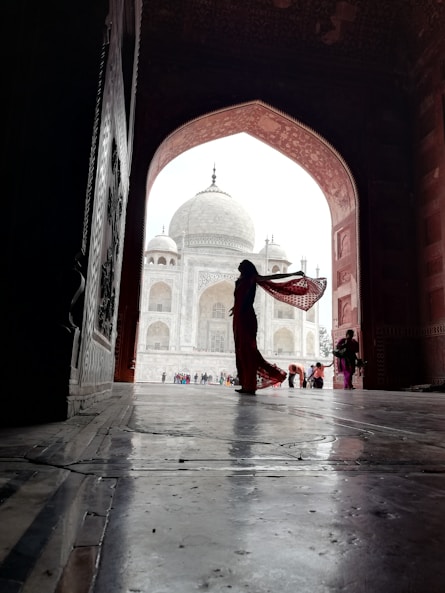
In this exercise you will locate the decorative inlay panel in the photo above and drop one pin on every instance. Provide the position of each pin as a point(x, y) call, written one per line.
point(434, 266)
point(343, 243)
point(344, 310)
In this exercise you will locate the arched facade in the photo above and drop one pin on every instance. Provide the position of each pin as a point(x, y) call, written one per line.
point(194, 298)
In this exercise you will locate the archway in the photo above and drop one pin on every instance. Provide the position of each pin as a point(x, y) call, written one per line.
point(314, 154)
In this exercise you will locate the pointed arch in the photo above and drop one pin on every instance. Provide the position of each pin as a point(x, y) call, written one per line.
point(158, 336)
point(160, 297)
point(313, 153)
point(214, 323)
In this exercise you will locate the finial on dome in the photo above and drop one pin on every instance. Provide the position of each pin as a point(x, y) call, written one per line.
point(163, 229)
point(214, 174)
point(272, 239)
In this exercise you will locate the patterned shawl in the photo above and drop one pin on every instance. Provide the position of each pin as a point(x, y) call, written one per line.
point(301, 292)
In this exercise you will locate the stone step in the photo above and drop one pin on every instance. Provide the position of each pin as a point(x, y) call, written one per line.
point(52, 543)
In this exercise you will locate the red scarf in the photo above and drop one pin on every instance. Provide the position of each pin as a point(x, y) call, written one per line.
point(301, 292)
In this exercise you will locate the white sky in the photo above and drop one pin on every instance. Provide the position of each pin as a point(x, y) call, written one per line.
point(281, 198)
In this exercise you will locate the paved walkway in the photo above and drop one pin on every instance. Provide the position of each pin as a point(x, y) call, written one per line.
point(185, 488)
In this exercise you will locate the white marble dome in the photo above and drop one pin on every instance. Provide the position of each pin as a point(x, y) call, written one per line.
point(162, 243)
point(213, 220)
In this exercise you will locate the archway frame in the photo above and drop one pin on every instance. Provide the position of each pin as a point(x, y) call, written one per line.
point(318, 158)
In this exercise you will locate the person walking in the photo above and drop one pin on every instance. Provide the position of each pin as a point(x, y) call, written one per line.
point(254, 372)
point(347, 349)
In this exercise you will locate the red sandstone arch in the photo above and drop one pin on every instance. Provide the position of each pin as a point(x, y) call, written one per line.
point(307, 148)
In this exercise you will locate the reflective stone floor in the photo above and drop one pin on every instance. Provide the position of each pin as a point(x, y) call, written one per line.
point(189, 488)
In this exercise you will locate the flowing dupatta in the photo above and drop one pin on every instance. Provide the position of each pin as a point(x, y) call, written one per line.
point(301, 292)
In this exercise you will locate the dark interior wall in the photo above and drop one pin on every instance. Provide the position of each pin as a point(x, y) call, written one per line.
point(429, 173)
point(52, 55)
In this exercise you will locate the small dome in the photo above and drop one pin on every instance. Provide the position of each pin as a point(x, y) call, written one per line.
point(274, 251)
point(162, 243)
point(213, 220)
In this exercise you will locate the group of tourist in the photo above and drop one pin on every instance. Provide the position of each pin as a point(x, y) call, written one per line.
point(346, 351)
point(185, 378)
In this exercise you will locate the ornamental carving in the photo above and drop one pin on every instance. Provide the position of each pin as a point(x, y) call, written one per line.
point(343, 244)
point(343, 277)
point(207, 278)
point(344, 311)
point(107, 301)
point(217, 241)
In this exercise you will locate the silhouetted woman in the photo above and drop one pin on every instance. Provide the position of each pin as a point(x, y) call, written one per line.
point(254, 372)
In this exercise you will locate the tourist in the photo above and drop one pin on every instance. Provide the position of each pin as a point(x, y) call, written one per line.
point(291, 375)
point(301, 374)
point(318, 374)
point(346, 350)
point(309, 377)
point(296, 369)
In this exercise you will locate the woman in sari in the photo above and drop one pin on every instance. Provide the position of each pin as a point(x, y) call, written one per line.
point(348, 362)
point(254, 372)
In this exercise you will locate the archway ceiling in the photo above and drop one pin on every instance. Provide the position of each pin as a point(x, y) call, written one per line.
point(379, 33)
point(199, 56)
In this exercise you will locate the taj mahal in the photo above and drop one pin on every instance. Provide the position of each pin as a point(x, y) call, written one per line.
point(187, 292)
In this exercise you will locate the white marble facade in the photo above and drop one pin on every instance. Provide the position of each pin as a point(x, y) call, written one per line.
point(187, 292)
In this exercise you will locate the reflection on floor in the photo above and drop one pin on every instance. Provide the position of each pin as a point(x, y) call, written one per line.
point(177, 488)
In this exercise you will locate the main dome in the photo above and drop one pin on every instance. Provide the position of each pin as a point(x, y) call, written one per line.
point(213, 220)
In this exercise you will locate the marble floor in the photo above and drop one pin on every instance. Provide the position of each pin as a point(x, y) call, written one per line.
point(168, 488)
